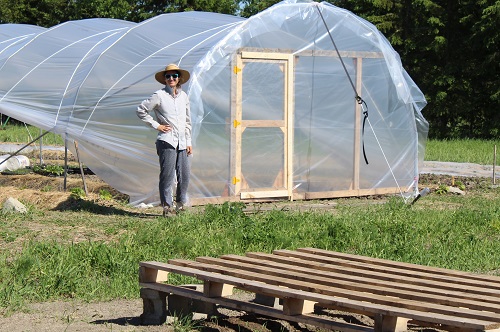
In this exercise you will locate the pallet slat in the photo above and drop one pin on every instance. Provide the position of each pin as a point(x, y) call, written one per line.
point(295, 284)
point(375, 278)
point(404, 270)
point(390, 292)
point(365, 284)
point(492, 281)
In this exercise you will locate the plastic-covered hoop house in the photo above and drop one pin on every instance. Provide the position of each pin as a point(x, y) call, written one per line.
point(278, 101)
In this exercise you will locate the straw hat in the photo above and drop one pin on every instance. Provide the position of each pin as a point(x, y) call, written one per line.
point(160, 76)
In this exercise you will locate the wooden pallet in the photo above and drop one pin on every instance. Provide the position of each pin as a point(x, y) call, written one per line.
point(392, 293)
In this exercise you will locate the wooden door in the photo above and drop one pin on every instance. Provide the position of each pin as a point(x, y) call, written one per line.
point(262, 125)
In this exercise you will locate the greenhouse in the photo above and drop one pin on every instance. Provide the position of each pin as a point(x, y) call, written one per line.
point(304, 100)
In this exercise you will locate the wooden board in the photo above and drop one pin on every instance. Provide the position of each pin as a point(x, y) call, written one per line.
point(307, 278)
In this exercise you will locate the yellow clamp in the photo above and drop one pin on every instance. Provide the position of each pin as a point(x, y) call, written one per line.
point(236, 180)
point(236, 123)
point(236, 69)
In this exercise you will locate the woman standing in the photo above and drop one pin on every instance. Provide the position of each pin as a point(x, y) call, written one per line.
point(173, 143)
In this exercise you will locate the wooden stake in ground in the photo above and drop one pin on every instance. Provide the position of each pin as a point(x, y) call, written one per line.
point(494, 163)
point(81, 168)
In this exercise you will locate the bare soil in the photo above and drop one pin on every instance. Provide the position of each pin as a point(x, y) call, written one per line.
point(47, 193)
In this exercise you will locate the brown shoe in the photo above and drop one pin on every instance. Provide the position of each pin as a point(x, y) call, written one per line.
point(168, 211)
point(179, 207)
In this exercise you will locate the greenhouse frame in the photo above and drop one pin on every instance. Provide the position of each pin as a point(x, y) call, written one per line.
point(304, 100)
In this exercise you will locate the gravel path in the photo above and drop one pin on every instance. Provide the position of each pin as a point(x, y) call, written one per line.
point(459, 169)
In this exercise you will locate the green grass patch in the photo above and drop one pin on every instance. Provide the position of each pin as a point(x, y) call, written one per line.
point(19, 134)
point(463, 151)
point(103, 263)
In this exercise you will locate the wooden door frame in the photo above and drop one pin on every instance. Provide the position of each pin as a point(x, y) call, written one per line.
point(237, 181)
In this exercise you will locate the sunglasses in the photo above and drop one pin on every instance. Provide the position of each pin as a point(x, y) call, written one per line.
point(169, 76)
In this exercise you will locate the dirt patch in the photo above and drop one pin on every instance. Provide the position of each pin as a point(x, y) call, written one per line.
point(118, 315)
point(124, 315)
point(49, 192)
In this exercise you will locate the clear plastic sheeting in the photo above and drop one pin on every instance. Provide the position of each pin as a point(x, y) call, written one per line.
point(13, 37)
point(285, 121)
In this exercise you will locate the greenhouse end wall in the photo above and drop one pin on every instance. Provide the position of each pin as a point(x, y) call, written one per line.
point(327, 119)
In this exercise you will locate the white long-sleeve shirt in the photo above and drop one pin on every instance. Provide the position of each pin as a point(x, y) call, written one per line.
point(172, 110)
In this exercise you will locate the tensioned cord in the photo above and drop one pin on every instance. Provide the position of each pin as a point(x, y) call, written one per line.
point(358, 98)
point(360, 101)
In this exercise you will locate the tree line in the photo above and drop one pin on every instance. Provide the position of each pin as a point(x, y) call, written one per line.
point(450, 48)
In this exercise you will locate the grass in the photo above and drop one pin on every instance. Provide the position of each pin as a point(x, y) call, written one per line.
point(463, 151)
point(92, 252)
point(102, 264)
point(21, 134)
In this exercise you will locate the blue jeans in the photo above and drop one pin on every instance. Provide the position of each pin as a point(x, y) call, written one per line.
point(174, 165)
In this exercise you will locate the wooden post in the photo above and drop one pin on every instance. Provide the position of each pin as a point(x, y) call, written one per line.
point(154, 307)
point(358, 62)
point(384, 323)
point(81, 168)
point(154, 302)
point(297, 307)
point(216, 289)
point(41, 146)
point(236, 130)
point(494, 163)
point(65, 161)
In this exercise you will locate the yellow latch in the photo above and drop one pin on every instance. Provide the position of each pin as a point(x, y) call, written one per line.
point(236, 69)
point(236, 180)
point(236, 123)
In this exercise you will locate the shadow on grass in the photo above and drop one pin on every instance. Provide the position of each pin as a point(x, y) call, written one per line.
point(74, 204)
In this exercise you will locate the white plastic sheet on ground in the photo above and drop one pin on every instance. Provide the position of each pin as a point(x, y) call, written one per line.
point(84, 80)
